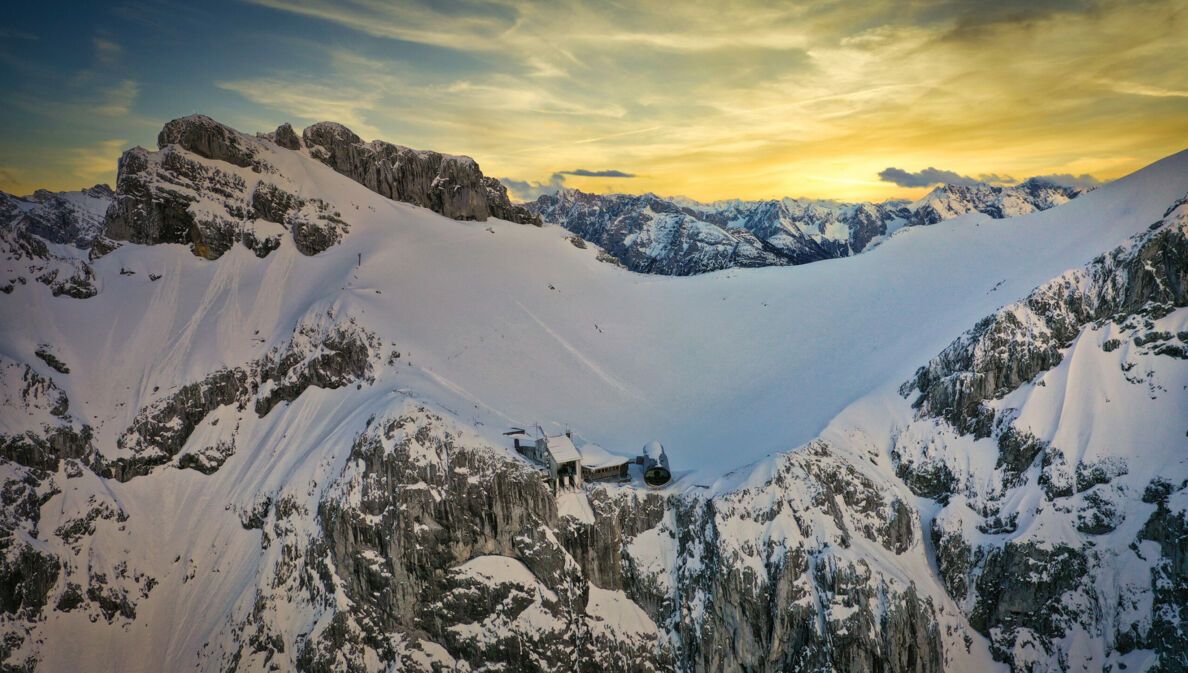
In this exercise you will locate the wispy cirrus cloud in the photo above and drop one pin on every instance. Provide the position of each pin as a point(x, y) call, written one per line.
point(310, 101)
point(1138, 89)
point(743, 99)
point(107, 51)
point(118, 99)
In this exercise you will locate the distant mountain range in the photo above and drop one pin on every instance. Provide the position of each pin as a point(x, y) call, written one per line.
point(678, 236)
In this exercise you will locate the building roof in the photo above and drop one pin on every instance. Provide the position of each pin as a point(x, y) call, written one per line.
point(562, 449)
point(653, 450)
point(595, 457)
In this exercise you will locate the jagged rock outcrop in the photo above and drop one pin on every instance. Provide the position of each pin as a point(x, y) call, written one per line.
point(1097, 552)
point(208, 138)
point(320, 354)
point(26, 257)
point(1149, 276)
point(190, 191)
point(451, 185)
point(42, 430)
point(286, 137)
point(171, 197)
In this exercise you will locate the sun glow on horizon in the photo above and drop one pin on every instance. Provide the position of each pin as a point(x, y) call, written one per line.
point(746, 101)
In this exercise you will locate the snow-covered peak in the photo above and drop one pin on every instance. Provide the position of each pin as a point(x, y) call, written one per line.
point(74, 218)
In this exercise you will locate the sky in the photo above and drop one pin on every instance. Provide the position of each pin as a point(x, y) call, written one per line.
point(853, 100)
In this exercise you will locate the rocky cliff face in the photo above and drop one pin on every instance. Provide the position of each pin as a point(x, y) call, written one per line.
point(211, 187)
point(1051, 539)
point(451, 185)
point(454, 554)
point(651, 234)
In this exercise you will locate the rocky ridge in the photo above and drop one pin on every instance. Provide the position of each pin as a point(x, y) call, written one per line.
point(451, 185)
point(370, 529)
point(210, 186)
point(677, 236)
point(1097, 548)
point(649, 583)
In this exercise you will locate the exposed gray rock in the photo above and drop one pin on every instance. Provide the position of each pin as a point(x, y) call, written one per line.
point(1026, 593)
point(949, 201)
point(46, 355)
point(208, 138)
point(154, 194)
point(415, 505)
point(27, 258)
point(26, 578)
point(451, 185)
point(286, 137)
point(501, 206)
point(320, 355)
point(1001, 352)
point(59, 435)
point(170, 197)
point(1168, 634)
point(652, 235)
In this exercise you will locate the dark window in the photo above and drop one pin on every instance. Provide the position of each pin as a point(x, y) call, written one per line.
point(657, 476)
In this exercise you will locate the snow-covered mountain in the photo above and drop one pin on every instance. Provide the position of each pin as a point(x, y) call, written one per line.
point(679, 236)
point(948, 201)
point(961, 450)
point(75, 218)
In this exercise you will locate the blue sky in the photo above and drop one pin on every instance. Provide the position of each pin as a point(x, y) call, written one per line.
point(707, 99)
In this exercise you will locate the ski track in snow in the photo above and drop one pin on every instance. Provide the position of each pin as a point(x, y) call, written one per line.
point(598, 371)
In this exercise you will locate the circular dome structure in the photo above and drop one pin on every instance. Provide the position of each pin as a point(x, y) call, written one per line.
point(656, 472)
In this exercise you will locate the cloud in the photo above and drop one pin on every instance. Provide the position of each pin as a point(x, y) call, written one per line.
point(599, 174)
point(1083, 181)
point(524, 190)
point(996, 179)
point(311, 101)
point(928, 176)
point(106, 51)
point(1138, 89)
point(118, 100)
point(932, 176)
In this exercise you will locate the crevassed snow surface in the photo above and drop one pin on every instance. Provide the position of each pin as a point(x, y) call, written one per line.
point(507, 324)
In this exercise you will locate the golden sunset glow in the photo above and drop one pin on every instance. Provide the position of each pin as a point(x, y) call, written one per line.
point(705, 99)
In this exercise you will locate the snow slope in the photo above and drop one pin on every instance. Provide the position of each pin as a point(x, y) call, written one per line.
point(504, 325)
point(511, 324)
